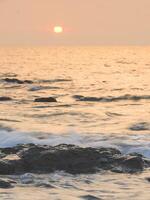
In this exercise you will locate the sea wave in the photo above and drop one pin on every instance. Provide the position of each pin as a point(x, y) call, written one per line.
point(126, 144)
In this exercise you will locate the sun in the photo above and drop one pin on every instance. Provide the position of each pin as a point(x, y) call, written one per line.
point(58, 29)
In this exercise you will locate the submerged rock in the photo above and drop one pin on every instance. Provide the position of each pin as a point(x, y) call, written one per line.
point(148, 179)
point(5, 184)
point(44, 185)
point(90, 197)
point(17, 81)
point(45, 99)
point(69, 158)
point(142, 126)
point(5, 99)
point(133, 164)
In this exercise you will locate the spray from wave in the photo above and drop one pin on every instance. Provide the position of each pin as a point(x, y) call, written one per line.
point(126, 144)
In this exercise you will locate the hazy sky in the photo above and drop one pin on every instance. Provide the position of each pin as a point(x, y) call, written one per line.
point(84, 21)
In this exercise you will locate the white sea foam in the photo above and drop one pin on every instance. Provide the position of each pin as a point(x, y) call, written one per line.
point(132, 143)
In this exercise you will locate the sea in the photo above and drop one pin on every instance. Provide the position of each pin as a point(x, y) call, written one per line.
point(103, 100)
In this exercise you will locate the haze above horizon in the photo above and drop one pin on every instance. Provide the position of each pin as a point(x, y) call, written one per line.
point(86, 22)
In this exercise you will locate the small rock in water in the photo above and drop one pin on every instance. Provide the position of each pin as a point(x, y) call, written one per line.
point(15, 80)
point(45, 99)
point(148, 179)
point(133, 164)
point(5, 184)
point(28, 81)
point(90, 197)
point(46, 185)
point(143, 126)
point(5, 99)
point(27, 178)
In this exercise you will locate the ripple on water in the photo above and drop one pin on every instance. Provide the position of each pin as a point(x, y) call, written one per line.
point(126, 97)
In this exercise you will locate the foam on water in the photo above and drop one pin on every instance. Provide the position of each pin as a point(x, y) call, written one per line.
point(126, 144)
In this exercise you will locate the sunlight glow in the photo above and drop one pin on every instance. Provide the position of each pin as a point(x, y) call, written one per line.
point(58, 29)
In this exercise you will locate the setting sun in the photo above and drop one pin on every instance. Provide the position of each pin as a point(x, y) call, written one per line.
point(58, 29)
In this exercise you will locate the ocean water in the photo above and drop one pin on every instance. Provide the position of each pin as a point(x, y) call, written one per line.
point(103, 99)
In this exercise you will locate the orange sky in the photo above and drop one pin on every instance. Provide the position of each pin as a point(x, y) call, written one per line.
point(90, 22)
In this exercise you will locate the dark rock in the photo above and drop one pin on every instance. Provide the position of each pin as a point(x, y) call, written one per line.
point(45, 185)
point(56, 80)
point(6, 167)
point(17, 81)
point(148, 179)
point(133, 164)
point(142, 126)
point(13, 80)
point(5, 99)
point(45, 99)
point(15, 149)
point(28, 81)
point(69, 158)
point(90, 197)
point(5, 184)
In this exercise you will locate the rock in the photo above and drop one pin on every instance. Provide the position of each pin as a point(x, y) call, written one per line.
point(15, 149)
point(13, 80)
point(142, 126)
point(45, 99)
point(17, 81)
point(6, 168)
point(148, 179)
point(45, 185)
point(28, 81)
point(5, 99)
point(5, 184)
point(69, 158)
point(90, 197)
point(133, 164)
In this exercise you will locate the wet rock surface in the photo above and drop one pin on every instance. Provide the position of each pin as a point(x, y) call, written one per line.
point(5, 184)
point(44, 185)
point(45, 99)
point(148, 179)
point(90, 197)
point(5, 99)
point(17, 81)
point(69, 158)
point(142, 126)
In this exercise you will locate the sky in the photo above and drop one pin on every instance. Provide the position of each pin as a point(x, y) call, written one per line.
point(85, 22)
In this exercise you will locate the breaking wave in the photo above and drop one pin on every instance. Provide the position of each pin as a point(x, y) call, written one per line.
point(126, 144)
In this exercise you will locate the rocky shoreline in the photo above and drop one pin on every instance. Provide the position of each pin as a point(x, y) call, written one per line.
point(31, 158)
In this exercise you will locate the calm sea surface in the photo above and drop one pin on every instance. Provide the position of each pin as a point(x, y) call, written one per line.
point(103, 99)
